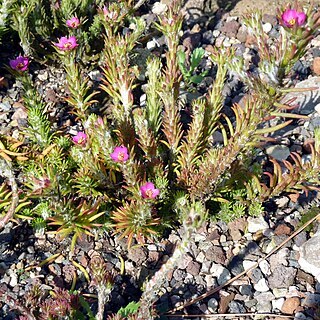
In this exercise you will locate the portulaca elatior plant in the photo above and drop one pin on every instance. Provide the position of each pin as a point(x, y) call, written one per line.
point(135, 170)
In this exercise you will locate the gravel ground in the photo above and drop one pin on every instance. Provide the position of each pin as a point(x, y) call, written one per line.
point(285, 283)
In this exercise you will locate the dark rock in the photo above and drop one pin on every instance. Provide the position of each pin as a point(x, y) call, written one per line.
point(192, 41)
point(255, 275)
point(282, 277)
point(302, 68)
point(236, 265)
point(246, 290)
point(207, 37)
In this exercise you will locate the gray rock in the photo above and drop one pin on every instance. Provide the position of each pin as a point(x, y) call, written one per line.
point(279, 258)
point(255, 275)
point(279, 152)
point(5, 106)
point(251, 303)
point(282, 277)
point(306, 100)
point(221, 273)
point(212, 305)
point(179, 275)
point(183, 263)
point(236, 307)
point(246, 290)
point(309, 256)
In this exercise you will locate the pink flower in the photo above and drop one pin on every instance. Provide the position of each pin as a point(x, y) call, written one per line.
point(291, 18)
point(120, 154)
point(19, 64)
point(109, 15)
point(66, 43)
point(148, 191)
point(80, 138)
point(73, 23)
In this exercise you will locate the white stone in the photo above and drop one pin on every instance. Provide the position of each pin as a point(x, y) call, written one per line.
point(200, 257)
point(264, 267)
point(159, 8)
point(257, 224)
point(317, 108)
point(309, 256)
point(151, 44)
point(278, 303)
point(267, 27)
point(199, 237)
point(216, 33)
point(247, 264)
point(13, 280)
point(261, 285)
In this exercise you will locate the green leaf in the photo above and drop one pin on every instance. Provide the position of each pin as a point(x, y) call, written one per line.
point(196, 56)
point(131, 308)
point(196, 79)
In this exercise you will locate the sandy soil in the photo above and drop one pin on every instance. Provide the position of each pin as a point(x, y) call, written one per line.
point(267, 6)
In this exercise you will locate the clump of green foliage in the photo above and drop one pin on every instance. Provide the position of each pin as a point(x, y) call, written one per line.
point(137, 169)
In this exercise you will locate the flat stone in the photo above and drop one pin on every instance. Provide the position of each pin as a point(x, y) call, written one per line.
point(184, 261)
